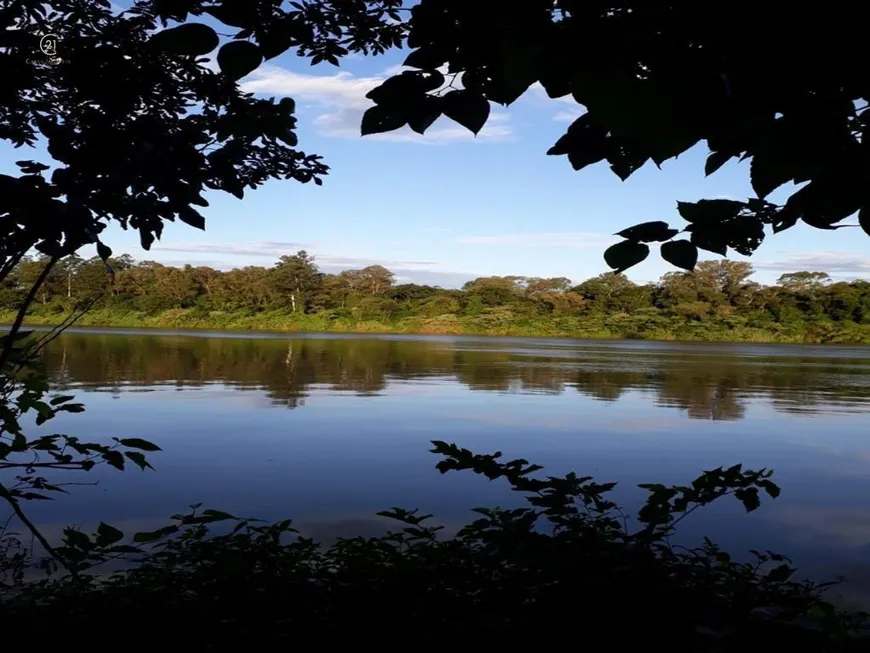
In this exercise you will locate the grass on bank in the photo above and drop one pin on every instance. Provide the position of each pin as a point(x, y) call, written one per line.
point(495, 322)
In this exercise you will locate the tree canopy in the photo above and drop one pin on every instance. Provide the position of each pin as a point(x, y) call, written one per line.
point(787, 91)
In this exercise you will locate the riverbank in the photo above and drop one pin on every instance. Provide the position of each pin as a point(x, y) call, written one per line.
point(618, 326)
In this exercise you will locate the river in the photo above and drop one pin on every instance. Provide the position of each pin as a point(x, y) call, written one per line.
point(329, 429)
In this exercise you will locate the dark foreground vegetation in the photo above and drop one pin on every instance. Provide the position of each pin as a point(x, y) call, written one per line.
point(716, 301)
point(569, 565)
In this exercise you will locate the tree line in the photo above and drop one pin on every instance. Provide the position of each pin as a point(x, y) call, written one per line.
point(716, 292)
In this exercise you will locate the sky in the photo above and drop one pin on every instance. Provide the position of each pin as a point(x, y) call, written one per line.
point(447, 207)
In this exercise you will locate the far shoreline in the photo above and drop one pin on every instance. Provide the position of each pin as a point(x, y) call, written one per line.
point(157, 325)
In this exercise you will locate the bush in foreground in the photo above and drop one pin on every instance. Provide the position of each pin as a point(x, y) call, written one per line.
point(567, 566)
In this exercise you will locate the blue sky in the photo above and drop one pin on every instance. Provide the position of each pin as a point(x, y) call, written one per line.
point(448, 207)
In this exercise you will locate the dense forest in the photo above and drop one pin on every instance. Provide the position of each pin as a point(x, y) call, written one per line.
point(717, 301)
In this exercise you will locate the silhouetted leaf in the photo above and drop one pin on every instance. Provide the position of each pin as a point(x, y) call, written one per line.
point(422, 115)
point(115, 459)
point(191, 217)
point(108, 535)
point(424, 58)
point(710, 240)
point(767, 173)
point(138, 459)
point(780, 574)
point(748, 497)
point(138, 443)
point(680, 253)
point(234, 13)
point(152, 536)
point(239, 58)
point(470, 110)
point(624, 255)
point(715, 161)
point(378, 120)
point(649, 232)
point(103, 251)
point(710, 210)
point(193, 39)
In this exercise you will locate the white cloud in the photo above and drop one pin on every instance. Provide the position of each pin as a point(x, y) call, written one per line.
point(276, 249)
point(340, 102)
point(833, 262)
point(573, 239)
point(268, 248)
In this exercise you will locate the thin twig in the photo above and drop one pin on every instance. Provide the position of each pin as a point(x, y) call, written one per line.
point(34, 531)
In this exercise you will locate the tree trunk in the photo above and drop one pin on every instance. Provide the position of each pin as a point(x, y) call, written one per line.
point(293, 301)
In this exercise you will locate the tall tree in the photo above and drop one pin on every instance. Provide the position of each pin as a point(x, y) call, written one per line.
point(297, 278)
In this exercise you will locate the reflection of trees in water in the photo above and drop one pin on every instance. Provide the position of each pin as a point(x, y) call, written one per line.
point(704, 386)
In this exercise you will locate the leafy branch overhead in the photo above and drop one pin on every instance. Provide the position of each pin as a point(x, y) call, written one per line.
point(656, 79)
point(144, 149)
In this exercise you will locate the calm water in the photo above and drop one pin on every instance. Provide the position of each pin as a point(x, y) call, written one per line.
point(330, 429)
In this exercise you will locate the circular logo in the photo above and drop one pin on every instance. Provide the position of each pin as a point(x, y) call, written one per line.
point(48, 45)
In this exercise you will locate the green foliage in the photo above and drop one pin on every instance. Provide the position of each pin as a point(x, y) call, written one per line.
point(571, 555)
point(716, 300)
point(655, 80)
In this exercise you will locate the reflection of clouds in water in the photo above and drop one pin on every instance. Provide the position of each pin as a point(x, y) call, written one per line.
point(850, 528)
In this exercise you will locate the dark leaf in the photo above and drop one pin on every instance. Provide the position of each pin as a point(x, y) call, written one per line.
point(710, 240)
point(138, 459)
point(424, 58)
point(767, 173)
point(771, 488)
point(108, 535)
point(151, 536)
point(423, 114)
point(193, 39)
point(680, 253)
point(76, 539)
point(233, 13)
point(470, 110)
point(191, 217)
point(864, 220)
point(103, 251)
point(138, 443)
point(715, 161)
point(709, 210)
point(780, 574)
point(624, 255)
point(748, 497)
point(378, 120)
point(115, 459)
point(649, 232)
point(238, 58)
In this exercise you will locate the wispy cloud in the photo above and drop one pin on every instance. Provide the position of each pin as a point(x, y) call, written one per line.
point(276, 249)
point(832, 262)
point(267, 248)
point(340, 101)
point(573, 239)
point(406, 271)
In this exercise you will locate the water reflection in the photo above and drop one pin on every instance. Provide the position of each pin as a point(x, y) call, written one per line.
point(704, 382)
